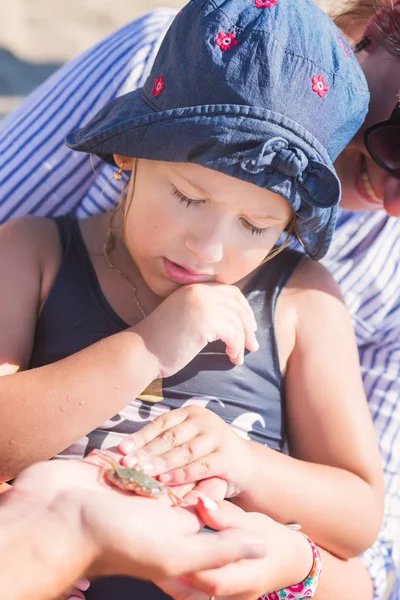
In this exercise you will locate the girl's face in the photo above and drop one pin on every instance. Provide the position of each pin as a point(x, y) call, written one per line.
point(188, 224)
point(365, 186)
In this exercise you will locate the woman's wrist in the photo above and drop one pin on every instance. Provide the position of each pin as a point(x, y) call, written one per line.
point(45, 542)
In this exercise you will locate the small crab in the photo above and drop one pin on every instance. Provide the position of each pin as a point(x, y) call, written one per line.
point(133, 480)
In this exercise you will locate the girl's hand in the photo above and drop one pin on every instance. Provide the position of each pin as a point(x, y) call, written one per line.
point(287, 562)
point(188, 445)
point(192, 317)
point(76, 593)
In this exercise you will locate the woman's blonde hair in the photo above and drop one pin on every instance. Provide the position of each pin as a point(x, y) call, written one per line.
point(353, 16)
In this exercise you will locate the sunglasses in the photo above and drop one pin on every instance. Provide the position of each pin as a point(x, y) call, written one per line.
point(382, 141)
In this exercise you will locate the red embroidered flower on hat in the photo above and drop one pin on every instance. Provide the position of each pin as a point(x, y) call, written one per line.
point(265, 3)
point(226, 41)
point(341, 41)
point(159, 85)
point(319, 85)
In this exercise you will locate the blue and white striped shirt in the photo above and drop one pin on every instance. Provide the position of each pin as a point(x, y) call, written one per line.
point(39, 175)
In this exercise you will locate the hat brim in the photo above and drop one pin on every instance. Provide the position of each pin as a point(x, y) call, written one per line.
point(219, 137)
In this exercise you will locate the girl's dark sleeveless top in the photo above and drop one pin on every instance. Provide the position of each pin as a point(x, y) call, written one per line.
point(249, 397)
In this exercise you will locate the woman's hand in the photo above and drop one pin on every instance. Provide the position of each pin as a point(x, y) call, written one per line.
point(288, 559)
point(124, 534)
point(192, 317)
point(188, 445)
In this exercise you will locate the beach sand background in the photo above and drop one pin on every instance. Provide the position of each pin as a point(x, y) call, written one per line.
point(38, 36)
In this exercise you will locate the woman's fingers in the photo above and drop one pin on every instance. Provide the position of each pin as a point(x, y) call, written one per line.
point(225, 516)
point(228, 580)
point(214, 550)
point(179, 589)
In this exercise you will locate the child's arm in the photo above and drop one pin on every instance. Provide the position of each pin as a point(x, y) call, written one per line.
point(332, 485)
point(44, 410)
point(344, 579)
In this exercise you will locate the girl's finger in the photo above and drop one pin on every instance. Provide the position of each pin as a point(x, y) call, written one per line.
point(175, 437)
point(203, 468)
point(152, 430)
point(82, 584)
point(74, 594)
point(246, 311)
point(234, 340)
point(185, 454)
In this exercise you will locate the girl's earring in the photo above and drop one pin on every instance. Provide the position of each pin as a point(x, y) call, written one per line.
point(118, 174)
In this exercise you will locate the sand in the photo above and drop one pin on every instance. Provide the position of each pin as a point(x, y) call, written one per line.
point(57, 30)
point(38, 36)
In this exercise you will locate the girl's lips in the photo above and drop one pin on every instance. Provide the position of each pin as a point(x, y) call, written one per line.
point(364, 186)
point(182, 275)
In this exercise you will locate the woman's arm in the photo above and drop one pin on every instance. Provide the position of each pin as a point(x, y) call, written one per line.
point(332, 483)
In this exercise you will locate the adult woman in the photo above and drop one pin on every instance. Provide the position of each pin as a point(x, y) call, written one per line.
point(365, 257)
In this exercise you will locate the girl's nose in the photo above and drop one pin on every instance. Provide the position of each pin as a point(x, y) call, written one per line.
point(391, 197)
point(207, 246)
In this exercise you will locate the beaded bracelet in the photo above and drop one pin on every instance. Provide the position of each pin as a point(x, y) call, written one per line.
point(305, 589)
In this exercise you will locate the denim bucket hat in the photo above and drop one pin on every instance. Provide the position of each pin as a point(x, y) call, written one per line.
point(266, 91)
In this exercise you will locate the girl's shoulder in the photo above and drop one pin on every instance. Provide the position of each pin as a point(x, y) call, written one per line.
point(31, 246)
point(310, 298)
point(309, 280)
point(29, 261)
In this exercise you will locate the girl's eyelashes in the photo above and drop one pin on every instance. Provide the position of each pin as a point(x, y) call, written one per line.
point(188, 201)
point(183, 198)
point(254, 230)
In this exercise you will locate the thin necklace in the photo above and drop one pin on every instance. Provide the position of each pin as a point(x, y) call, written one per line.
point(107, 248)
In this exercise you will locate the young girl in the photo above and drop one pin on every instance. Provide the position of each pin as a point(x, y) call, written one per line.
point(230, 144)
